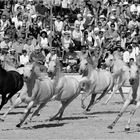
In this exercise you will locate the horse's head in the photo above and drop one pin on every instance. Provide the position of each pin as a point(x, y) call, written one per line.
point(109, 60)
point(26, 71)
point(52, 68)
point(134, 74)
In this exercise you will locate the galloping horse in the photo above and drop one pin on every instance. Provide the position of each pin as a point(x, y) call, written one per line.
point(120, 73)
point(26, 90)
point(10, 83)
point(94, 81)
point(66, 88)
point(134, 95)
point(40, 87)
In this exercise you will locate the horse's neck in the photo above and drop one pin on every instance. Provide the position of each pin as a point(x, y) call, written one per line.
point(91, 70)
point(58, 75)
point(31, 81)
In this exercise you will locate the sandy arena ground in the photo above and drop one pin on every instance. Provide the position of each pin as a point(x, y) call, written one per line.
point(75, 124)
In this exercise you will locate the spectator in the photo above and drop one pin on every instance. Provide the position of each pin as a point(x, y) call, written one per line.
point(24, 58)
point(37, 56)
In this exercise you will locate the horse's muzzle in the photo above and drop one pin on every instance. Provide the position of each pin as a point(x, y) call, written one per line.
point(131, 80)
point(80, 72)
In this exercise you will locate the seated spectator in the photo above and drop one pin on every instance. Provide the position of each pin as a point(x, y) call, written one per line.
point(43, 40)
point(11, 60)
point(37, 55)
point(24, 58)
point(83, 53)
point(51, 56)
point(6, 43)
point(129, 53)
point(29, 46)
point(71, 59)
point(79, 22)
point(77, 37)
point(17, 20)
point(58, 24)
point(18, 45)
point(4, 23)
point(34, 30)
point(66, 41)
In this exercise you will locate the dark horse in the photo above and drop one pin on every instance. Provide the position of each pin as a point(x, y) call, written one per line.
point(10, 83)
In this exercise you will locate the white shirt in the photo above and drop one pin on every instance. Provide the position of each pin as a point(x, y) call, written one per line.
point(17, 22)
point(58, 25)
point(133, 8)
point(64, 3)
point(24, 59)
point(127, 56)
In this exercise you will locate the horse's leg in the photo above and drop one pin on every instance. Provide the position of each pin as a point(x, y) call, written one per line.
point(17, 102)
point(127, 128)
point(98, 99)
point(9, 96)
point(64, 105)
point(116, 87)
point(36, 111)
point(3, 101)
point(26, 113)
point(126, 104)
point(61, 110)
point(84, 96)
point(11, 102)
point(121, 93)
point(91, 102)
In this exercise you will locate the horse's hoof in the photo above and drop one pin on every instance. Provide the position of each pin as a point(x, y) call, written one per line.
point(18, 125)
point(85, 112)
point(127, 128)
point(1, 119)
point(51, 119)
point(88, 109)
point(110, 127)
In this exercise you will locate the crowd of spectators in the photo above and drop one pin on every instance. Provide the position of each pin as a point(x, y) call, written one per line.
point(29, 32)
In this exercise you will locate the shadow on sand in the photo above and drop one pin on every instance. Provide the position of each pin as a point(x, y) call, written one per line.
point(104, 112)
point(13, 113)
point(50, 125)
point(74, 118)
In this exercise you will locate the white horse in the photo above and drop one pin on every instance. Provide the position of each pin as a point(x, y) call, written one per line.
point(41, 88)
point(133, 97)
point(120, 73)
point(66, 88)
point(26, 91)
point(95, 81)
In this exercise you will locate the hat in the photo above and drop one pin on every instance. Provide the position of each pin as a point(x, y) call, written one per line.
point(58, 17)
point(79, 15)
point(102, 30)
point(66, 32)
point(53, 49)
point(102, 16)
point(112, 17)
point(11, 50)
point(89, 15)
point(113, 9)
point(5, 37)
point(125, 3)
point(37, 47)
point(66, 16)
point(96, 29)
